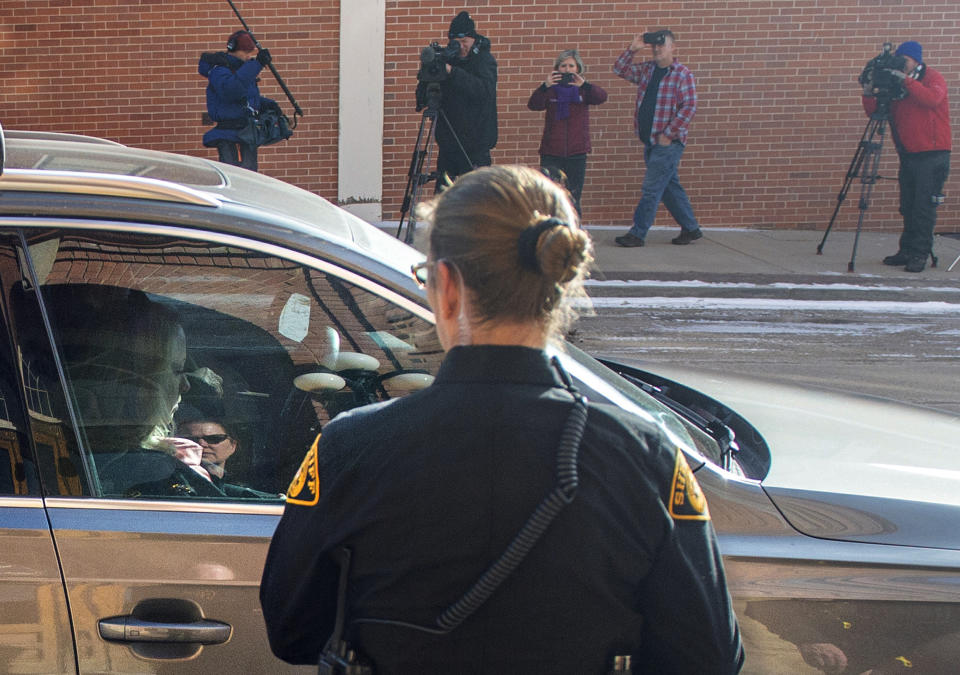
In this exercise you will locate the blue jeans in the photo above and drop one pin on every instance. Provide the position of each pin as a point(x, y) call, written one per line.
point(661, 183)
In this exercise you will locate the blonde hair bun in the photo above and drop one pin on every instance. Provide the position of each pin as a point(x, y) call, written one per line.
point(514, 236)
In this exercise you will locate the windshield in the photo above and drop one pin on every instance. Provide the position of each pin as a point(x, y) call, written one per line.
point(600, 384)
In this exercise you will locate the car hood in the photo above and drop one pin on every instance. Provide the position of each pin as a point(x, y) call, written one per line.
point(849, 467)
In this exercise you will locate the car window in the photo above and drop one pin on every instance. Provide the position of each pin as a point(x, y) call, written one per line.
point(18, 473)
point(198, 370)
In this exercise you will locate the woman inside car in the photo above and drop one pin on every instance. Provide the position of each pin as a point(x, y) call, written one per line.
point(616, 562)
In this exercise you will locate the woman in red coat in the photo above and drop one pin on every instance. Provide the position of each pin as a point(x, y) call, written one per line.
point(566, 95)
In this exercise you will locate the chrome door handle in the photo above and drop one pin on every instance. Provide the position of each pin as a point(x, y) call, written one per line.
point(132, 629)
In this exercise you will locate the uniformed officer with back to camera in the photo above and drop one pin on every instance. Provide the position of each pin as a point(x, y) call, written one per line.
point(428, 491)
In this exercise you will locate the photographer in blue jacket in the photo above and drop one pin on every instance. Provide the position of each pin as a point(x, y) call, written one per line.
point(233, 97)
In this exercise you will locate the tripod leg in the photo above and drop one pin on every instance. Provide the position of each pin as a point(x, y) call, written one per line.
point(457, 139)
point(867, 181)
point(412, 173)
point(421, 180)
point(415, 175)
point(852, 172)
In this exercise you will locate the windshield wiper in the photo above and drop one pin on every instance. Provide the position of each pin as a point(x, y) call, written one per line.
point(710, 424)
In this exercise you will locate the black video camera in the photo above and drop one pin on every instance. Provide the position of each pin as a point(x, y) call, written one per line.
point(434, 59)
point(877, 73)
point(565, 78)
point(656, 37)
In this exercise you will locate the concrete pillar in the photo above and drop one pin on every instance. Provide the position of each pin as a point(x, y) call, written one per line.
point(360, 167)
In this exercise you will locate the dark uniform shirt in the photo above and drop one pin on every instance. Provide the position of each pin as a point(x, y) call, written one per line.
point(428, 490)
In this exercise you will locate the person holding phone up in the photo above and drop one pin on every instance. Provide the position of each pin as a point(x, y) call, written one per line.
point(565, 96)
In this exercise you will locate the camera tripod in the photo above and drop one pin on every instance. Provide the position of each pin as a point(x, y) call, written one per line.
point(865, 163)
point(416, 178)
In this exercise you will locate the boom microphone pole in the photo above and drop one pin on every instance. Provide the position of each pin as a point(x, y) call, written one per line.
point(273, 69)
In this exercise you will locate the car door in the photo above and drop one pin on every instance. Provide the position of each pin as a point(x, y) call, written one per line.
point(845, 601)
point(162, 565)
point(35, 634)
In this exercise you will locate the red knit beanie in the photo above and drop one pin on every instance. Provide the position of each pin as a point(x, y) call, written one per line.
point(240, 41)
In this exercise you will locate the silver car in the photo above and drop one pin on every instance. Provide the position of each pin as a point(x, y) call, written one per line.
point(154, 304)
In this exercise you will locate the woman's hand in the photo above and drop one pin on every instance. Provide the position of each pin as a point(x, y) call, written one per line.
point(552, 79)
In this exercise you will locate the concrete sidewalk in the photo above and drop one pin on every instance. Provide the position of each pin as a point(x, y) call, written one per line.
point(726, 253)
point(732, 252)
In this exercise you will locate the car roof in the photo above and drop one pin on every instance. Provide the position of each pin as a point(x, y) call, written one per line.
point(68, 164)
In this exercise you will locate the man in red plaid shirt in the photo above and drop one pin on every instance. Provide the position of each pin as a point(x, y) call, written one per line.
point(666, 102)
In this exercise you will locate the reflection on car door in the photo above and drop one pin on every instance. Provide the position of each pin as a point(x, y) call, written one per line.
point(34, 624)
point(273, 350)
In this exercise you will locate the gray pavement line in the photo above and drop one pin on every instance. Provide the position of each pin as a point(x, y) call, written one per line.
point(932, 308)
point(766, 261)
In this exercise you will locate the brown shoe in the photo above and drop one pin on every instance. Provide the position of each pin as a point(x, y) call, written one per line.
point(629, 240)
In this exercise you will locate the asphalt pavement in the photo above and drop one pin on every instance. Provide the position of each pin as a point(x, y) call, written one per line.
point(723, 253)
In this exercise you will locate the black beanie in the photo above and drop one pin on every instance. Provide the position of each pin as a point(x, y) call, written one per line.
point(462, 26)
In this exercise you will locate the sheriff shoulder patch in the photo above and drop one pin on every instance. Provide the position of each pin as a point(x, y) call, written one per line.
point(305, 487)
point(687, 501)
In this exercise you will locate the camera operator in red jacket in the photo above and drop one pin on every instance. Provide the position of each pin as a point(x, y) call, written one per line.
point(920, 122)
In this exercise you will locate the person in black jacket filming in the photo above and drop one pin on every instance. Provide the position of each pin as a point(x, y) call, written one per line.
point(467, 128)
point(428, 491)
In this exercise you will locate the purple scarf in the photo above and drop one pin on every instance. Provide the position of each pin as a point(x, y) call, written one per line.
point(566, 94)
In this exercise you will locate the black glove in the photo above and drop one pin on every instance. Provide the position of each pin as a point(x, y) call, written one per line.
point(263, 57)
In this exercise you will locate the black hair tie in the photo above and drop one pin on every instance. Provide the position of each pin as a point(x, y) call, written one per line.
point(527, 242)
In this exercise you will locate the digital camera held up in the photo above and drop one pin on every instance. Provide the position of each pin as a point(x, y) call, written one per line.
point(566, 78)
point(656, 37)
point(878, 75)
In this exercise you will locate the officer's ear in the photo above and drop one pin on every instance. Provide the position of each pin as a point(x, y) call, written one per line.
point(447, 291)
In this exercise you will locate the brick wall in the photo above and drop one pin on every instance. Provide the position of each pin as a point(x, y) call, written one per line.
point(778, 123)
point(127, 70)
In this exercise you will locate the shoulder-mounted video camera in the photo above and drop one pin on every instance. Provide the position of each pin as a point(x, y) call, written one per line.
point(878, 73)
point(656, 38)
point(434, 59)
